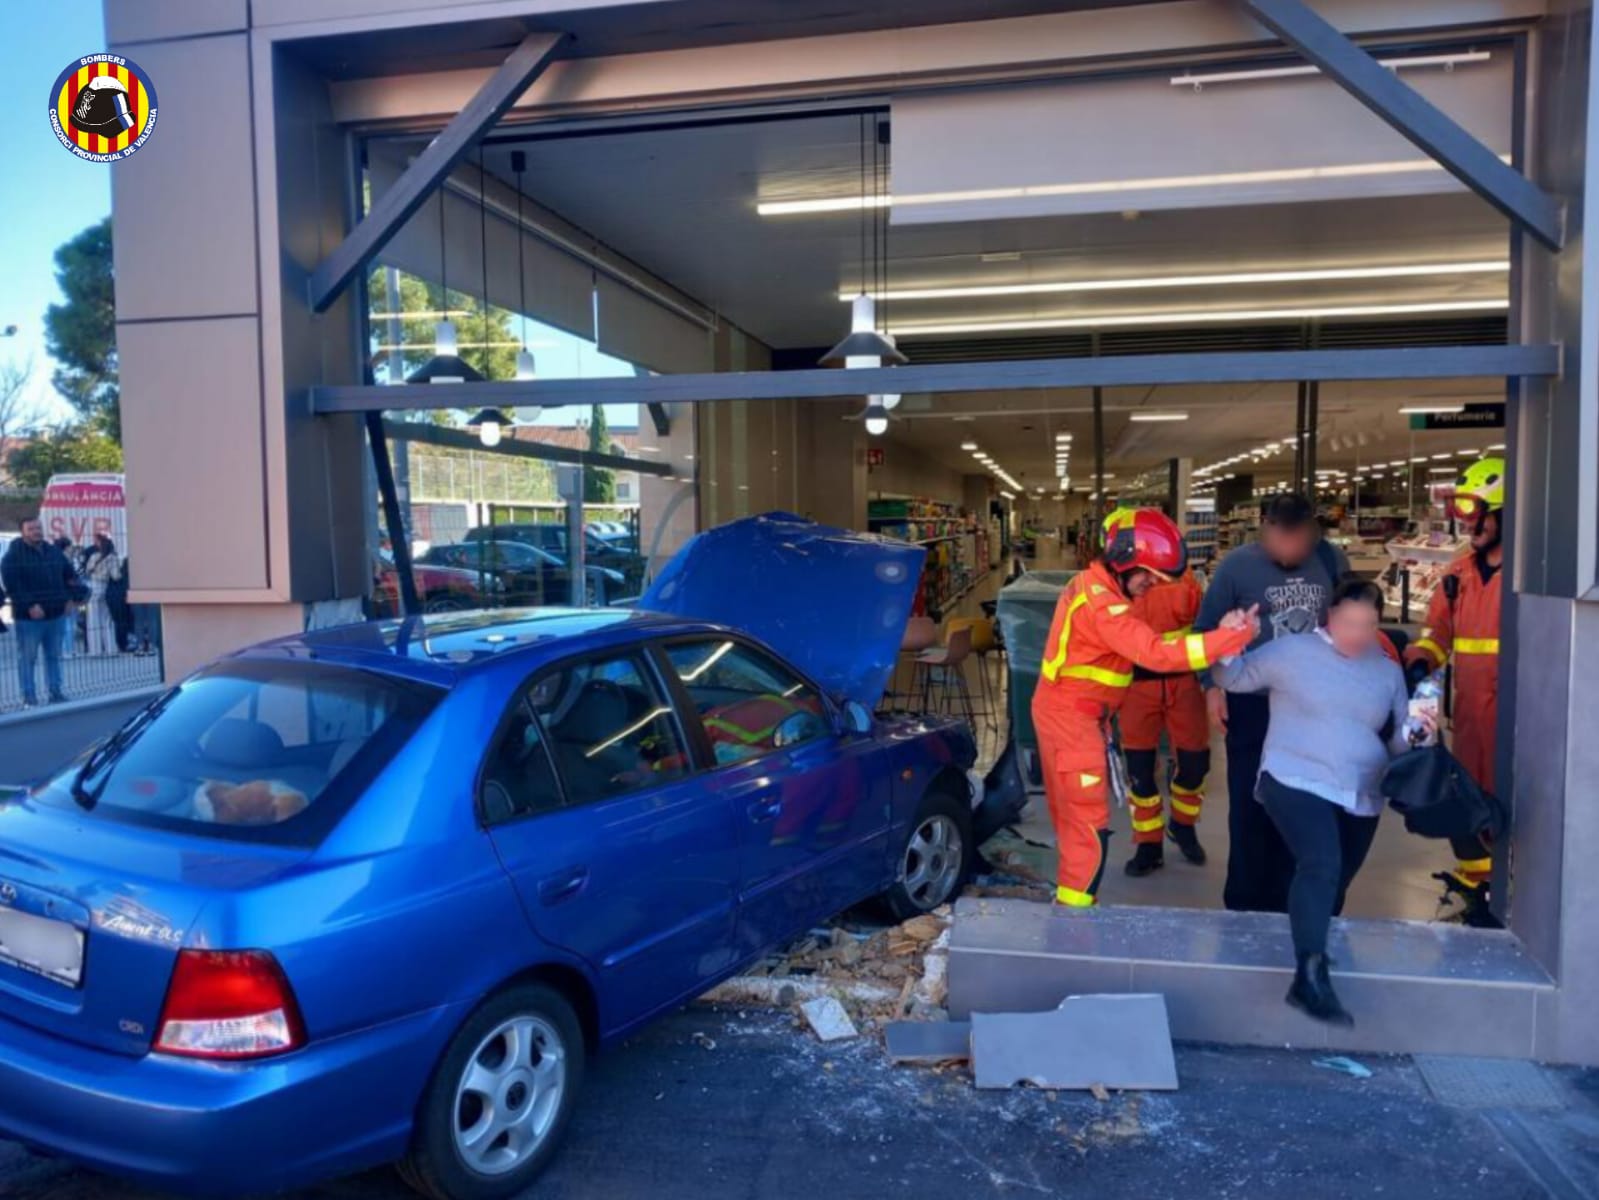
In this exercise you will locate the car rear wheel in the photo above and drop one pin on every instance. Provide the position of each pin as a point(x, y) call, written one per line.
point(497, 1107)
point(935, 858)
point(445, 604)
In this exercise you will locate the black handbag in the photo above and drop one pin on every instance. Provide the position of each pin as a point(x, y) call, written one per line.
point(1438, 798)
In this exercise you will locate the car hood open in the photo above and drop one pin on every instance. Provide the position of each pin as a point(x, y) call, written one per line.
point(832, 601)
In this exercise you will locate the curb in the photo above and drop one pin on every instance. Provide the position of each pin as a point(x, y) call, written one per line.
point(24, 716)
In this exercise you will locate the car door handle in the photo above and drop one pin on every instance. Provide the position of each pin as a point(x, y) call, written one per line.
point(767, 808)
point(562, 886)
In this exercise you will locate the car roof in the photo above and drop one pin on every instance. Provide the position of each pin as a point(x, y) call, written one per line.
point(439, 648)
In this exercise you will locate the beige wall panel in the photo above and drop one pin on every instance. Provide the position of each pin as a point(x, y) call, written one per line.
point(184, 204)
point(385, 12)
point(147, 20)
point(908, 472)
point(191, 419)
point(195, 634)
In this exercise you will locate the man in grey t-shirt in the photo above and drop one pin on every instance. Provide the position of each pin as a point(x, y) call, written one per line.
point(1289, 573)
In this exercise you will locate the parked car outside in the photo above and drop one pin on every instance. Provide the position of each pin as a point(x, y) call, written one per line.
point(373, 893)
point(527, 574)
point(441, 589)
point(552, 538)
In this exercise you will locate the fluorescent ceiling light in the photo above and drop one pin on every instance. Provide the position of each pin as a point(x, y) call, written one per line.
point(856, 202)
point(968, 445)
point(1422, 409)
point(1448, 61)
point(1203, 317)
point(1159, 416)
point(1444, 455)
point(1421, 459)
point(1441, 471)
point(1309, 275)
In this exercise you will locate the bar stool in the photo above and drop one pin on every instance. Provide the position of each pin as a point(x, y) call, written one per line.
point(920, 633)
point(944, 667)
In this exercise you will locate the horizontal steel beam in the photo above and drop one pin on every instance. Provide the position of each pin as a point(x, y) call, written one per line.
point(1413, 116)
point(1135, 370)
point(397, 205)
point(459, 439)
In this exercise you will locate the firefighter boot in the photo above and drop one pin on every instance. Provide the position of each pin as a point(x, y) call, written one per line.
point(1146, 860)
point(1474, 911)
point(1312, 992)
point(1187, 841)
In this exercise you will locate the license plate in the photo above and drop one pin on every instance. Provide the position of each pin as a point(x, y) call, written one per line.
point(53, 949)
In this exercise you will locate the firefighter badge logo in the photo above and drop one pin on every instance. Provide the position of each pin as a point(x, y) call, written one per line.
point(103, 108)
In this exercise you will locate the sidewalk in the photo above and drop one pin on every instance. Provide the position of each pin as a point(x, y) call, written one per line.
point(84, 675)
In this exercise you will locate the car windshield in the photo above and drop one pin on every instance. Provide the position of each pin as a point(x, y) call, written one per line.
point(254, 751)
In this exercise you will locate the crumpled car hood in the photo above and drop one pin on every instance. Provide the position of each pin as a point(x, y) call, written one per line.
point(832, 601)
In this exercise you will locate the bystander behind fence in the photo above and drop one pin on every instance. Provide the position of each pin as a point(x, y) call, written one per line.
point(85, 676)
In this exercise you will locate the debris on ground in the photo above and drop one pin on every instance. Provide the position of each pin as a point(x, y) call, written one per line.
point(828, 1020)
point(1089, 1043)
point(928, 1042)
point(700, 1039)
point(1347, 1065)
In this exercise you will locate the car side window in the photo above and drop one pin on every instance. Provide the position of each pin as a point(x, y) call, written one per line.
point(609, 728)
point(749, 703)
point(518, 778)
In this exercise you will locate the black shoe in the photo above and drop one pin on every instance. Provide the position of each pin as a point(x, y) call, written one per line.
point(58, 698)
point(1475, 911)
point(1147, 859)
point(1312, 992)
point(1188, 842)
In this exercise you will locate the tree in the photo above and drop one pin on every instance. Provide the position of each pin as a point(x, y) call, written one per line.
point(496, 360)
point(599, 483)
point(63, 452)
point(18, 414)
point(81, 334)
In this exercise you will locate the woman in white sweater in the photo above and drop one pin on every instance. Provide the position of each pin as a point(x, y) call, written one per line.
point(99, 569)
point(1338, 710)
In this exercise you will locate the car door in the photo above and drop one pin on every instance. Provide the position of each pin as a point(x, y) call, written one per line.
point(811, 802)
point(619, 851)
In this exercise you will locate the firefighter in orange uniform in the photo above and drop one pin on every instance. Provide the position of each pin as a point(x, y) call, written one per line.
point(1094, 643)
point(1463, 624)
point(1173, 702)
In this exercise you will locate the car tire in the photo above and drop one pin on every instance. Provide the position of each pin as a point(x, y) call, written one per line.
point(935, 857)
point(504, 1046)
point(445, 604)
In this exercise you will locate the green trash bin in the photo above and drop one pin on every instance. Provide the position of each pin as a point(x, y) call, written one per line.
point(1025, 610)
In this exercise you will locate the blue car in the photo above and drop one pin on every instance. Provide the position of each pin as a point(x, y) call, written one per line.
point(373, 894)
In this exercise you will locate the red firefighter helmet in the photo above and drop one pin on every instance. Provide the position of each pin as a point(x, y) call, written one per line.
point(1152, 542)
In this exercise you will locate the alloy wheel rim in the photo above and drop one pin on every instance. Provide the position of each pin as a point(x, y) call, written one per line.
point(932, 862)
point(509, 1094)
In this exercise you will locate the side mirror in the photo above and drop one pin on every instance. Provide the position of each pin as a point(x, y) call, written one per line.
point(856, 718)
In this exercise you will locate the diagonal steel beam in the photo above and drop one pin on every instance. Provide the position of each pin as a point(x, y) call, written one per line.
point(396, 206)
point(1412, 115)
point(460, 439)
point(661, 419)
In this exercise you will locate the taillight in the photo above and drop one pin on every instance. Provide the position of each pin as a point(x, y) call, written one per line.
point(229, 1004)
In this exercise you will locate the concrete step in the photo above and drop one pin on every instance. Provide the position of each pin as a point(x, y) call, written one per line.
point(1412, 987)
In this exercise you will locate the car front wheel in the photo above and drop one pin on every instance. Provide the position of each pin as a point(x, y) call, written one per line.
point(935, 858)
point(496, 1110)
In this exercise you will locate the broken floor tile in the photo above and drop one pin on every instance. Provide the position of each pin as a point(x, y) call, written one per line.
point(928, 1041)
point(829, 1020)
point(1119, 1042)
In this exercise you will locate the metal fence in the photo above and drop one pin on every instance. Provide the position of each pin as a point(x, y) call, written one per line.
point(85, 675)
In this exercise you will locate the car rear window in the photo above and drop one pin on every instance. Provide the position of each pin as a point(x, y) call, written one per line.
point(255, 751)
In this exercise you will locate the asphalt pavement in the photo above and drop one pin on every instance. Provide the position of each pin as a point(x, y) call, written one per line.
point(714, 1103)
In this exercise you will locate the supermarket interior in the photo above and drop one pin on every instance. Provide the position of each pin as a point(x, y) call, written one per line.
point(771, 234)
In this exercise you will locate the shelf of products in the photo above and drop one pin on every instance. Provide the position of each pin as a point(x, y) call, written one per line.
point(1426, 555)
point(1201, 531)
point(957, 546)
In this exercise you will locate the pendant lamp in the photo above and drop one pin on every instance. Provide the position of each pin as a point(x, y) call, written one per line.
point(491, 424)
point(446, 365)
point(864, 346)
point(876, 416)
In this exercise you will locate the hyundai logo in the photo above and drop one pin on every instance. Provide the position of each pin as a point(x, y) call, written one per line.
point(8, 894)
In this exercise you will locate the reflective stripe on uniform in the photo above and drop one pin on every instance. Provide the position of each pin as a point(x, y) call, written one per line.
point(1098, 675)
point(1117, 610)
point(1147, 826)
point(1431, 647)
point(1053, 665)
point(1182, 806)
point(1475, 864)
point(1073, 898)
point(1086, 780)
point(1476, 645)
point(1197, 659)
point(1144, 801)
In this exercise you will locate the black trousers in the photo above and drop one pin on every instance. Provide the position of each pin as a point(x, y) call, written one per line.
point(1259, 864)
point(1329, 845)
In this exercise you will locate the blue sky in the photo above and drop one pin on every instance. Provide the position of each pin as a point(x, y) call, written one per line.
point(46, 195)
